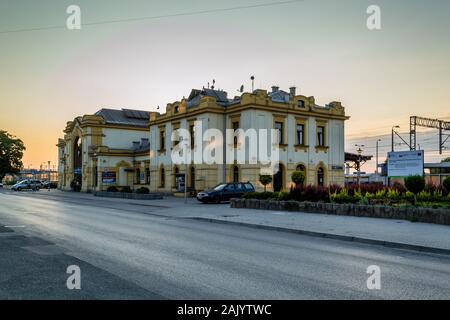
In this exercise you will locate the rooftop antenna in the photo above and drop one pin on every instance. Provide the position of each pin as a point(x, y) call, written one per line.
point(157, 108)
point(241, 89)
point(214, 82)
point(253, 83)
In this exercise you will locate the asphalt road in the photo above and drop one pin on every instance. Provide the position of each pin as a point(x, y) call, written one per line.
point(178, 258)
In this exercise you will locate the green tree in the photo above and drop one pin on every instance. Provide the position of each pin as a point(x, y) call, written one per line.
point(446, 160)
point(415, 184)
point(265, 179)
point(11, 153)
point(298, 177)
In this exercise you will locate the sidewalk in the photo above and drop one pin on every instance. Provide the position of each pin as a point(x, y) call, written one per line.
point(387, 232)
point(393, 233)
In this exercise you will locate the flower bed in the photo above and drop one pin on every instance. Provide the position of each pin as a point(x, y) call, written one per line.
point(369, 194)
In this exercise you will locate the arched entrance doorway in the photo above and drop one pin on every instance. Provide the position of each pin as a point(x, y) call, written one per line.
point(77, 165)
point(278, 178)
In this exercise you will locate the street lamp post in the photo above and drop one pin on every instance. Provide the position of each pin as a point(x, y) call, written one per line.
point(376, 169)
point(181, 139)
point(392, 137)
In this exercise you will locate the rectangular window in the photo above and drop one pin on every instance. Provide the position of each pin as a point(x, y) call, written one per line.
point(177, 139)
point(192, 135)
point(300, 103)
point(162, 140)
point(235, 127)
point(301, 134)
point(279, 128)
point(321, 136)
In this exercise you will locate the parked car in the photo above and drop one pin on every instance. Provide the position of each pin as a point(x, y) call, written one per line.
point(53, 185)
point(225, 191)
point(1, 185)
point(27, 184)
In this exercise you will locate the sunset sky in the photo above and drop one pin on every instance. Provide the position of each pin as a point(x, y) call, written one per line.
point(50, 76)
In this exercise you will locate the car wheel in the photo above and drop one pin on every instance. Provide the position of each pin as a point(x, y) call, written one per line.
point(37, 188)
point(19, 189)
point(216, 199)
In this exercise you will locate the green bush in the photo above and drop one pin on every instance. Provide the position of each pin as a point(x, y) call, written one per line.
point(446, 184)
point(298, 177)
point(393, 194)
point(409, 196)
point(415, 184)
point(380, 194)
point(284, 196)
point(126, 189)
point(112, 189)
point(343, 197)
point(143, 190)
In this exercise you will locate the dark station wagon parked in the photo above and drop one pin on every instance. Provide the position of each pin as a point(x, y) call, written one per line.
point(225, 191)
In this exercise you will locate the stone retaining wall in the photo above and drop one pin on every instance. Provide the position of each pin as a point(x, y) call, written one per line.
point(122, 195)
point(428, 215)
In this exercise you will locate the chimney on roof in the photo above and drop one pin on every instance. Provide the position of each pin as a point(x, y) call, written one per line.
point(275, 89)
point(292, 91)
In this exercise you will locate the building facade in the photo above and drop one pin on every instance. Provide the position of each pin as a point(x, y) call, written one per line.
point(107, 148)
point(310, 139)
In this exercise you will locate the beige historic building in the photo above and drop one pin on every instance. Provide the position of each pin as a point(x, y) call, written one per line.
point(133, 148)
point(110, 147)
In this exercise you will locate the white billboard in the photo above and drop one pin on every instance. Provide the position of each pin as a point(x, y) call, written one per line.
point(405, 163)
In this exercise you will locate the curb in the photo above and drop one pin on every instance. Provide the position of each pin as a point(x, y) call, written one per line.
point(397, 245)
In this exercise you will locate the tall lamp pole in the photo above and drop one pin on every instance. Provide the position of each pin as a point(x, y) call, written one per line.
point(392, 137)
point(185, 169)
point(376, 169)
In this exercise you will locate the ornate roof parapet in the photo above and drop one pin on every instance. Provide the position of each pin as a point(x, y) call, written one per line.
point(88, 119)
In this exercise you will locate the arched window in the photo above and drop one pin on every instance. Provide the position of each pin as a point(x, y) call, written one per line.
point(320, 177)
point(162, 178)
point(235, 174)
